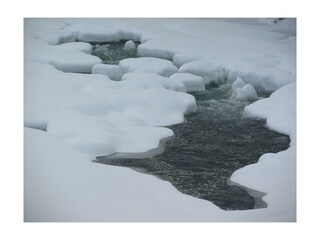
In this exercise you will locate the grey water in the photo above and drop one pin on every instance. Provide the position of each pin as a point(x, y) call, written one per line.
point(112, 52)
point(208, 147)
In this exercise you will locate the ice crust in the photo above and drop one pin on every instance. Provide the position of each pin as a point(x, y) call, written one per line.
point(245, 93)
point(87, 115)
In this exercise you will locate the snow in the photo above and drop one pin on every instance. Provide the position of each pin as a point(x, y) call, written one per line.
point(275, 174)
point(111, 193)
point(192, 82)
point(245, 93)
point(66, 61)
point(87, 115)
point(148, 64)
point(208, 70)
point(87, 32)
point(263, 77)
point(152, 80)
point(129, 45)
point(114, 72)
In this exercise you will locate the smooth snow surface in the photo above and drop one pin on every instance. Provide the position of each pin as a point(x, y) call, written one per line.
point(114, 72)
point(192, 82)
point(209, 71)
point(86, 115)
point(148, 64)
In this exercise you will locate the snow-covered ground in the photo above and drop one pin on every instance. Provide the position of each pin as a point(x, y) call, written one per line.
point(72, 117)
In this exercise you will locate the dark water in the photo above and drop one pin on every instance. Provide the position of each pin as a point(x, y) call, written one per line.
point(113, 53)
point(208, 147)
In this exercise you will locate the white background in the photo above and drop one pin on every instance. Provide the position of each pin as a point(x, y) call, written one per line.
point(11, 132)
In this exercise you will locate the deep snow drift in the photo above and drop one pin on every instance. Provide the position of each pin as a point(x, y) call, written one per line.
point(87, 115)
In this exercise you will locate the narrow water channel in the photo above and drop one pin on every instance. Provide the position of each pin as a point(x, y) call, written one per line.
point(208, 147)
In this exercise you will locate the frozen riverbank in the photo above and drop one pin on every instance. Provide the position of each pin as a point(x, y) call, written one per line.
point(92, 115)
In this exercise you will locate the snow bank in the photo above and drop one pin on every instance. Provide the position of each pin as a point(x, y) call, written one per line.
point(279, 110)
point(62, 185)
point(192, 82)
point(129, 45)
point(208, 70)
point(112, 71)
point(87, 32)
point(148, 64)
point(152, 80)
point(263, 77)
point(275, 174)
point(77, 46)
point(66, 61)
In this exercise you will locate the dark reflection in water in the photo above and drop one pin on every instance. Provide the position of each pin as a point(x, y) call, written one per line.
point(208, 147)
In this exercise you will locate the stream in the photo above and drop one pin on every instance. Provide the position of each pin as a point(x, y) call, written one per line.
point(208, 147)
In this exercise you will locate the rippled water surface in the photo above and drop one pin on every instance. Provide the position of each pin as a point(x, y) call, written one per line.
point(208, 147)
point(112, 53)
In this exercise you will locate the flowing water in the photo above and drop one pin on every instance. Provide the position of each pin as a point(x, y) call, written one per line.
point(112, 53)
point(207, 148)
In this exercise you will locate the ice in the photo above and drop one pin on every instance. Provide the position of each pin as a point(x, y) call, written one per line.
point(129, 45)
point(112, 71)
point(148, 64)
point(245, 93)
point(238, 83)
point(192, 82)
point(211, 72)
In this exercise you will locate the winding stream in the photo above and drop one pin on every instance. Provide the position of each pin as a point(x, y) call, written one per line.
point(208, 147)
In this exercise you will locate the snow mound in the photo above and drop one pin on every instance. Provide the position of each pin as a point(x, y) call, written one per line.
point(148, 64)
point(54, 37)
point(90, 135)
point(210, 71)
point(238, 83)
point(66, 61)
point(275, 174)
point(112, 71)
point(245, 93)
point(88, 32)
point(129, 45)
point(279, 110)
point(78, 46)
point(192, 82)
point(152, 80)
point(263, 77)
